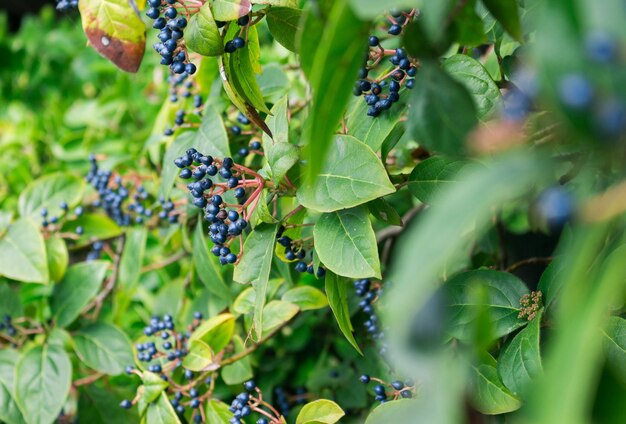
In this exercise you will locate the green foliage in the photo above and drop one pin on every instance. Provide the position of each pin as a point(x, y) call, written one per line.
point(440, 215)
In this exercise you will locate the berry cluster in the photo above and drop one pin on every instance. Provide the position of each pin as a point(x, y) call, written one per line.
point(401, 73)
point(183, 86)
point(385, 392)
point(7, 324)
point(251, 401)
point(15, 332)
point(254, 146)
point(295, 250)
point(238, 42)
point(65, 5)
point(226, 221)
point(170, 46)
point(369, 292)
point(49, 221)
point(163, 353)
point(114, 199)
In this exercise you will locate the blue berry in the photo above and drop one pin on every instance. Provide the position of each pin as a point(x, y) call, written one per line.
point(575, 91)
point(395, 29)
point(126, 404)
point(374, 41)
point(249, 385)
point(365, 379)
point(238, 42)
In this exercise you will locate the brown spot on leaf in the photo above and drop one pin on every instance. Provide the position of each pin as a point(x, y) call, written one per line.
point(125, 55)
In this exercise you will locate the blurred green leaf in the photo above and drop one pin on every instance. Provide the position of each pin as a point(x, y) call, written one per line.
point(306, 298)
point(103, 347)
point(48, 192)
point(489, 396)
point(431, 176)
point(283, 24)
point(23, 253)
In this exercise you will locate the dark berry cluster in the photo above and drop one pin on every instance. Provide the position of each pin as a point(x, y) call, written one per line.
point(237, 42)
point(236, 131)
point(163, 353)
point(381, 92)
point(64, 5)
point(369, 292)
point(170, 46)
point(226, 221)
point(295, 250)
point(53, 221)
point(125, 203)
point(7, 325)
point(251, 401)
point(385, 392)
point(183, 86)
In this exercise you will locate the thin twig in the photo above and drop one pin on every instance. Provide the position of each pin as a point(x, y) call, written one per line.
point(168, 261)
point(87, 380)
point(529, 261)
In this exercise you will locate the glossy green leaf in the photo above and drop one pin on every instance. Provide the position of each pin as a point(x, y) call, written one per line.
point(217, 412)
point(351, 175)
point(281, 155)
point(207, 267)
point(239, 371)
point(346, 244)
point(95, 226)
point(132, 256)
point(58, 258)
point(283, 24)
point(211, 138)
point(43, 377)
point(322, 411)
point(382, 210)
point(276, 313)
point(506, 12)
point(502, 302)
point(216, 332)
point(489, 396)
point(200, 356)
point(390, 411)
point(153, 386)
point(476, 79)
point(99, 405)
point(115, 29)
point(80, 284)
point(306, 298)
point(433, 175)
point(9, 410)
point(550, 284)
point(244, 303)
point(202, 35)
point(615, 345)
point(228, 10)
point(48, 192)
point(103, 347)
point(254, 267)
point(161, 412)
point(23, 253)
point(441, 112)
point(337, 294)
point(341, 43)
point(520, 360)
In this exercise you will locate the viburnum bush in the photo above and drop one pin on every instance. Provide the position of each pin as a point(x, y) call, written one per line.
point(291, 211)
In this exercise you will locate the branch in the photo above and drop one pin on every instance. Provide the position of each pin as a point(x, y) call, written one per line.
point(158, 265)
point(87, 380)
point(529, 261)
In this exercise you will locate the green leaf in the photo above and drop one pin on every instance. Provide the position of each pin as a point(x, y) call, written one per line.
point(368, 9)
point(615, 345)
point(502, 301)
point(132, 256)
point(261, 213)
point(217, 412)
point(372, 130)
point(43, 377)
point(103, 347)
point(476, 79)
point(441, 111)
point(550, 285)
point(432, 176)
point(283, 23)
point(255, 265)
point(202, 35)
point(211, 138)
point(240, 371)
point(351, 175)
point(337, 58)
point(48, 192)
point(321, 411)
point(95, 226)
point(383, 211)
point(244, 304)
point(506, 12)
point(153, 386)
point(306, 298)
point(216, 332)
point(10, 303)
point(207, 267)
point(80, 284)
point(337, 293)
point(9, 410)
point(520, 361)
point(281, 155)
point(392, 411)
point(115, 29)
point(244, 64)
point(346, 244)
point(280, 3)
point(229, 10)
point(489, 396)
point(97, 405)
point(200, 356)
point(58, 258)
point(276, 313)
point(23, 253)
point(161, 412)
